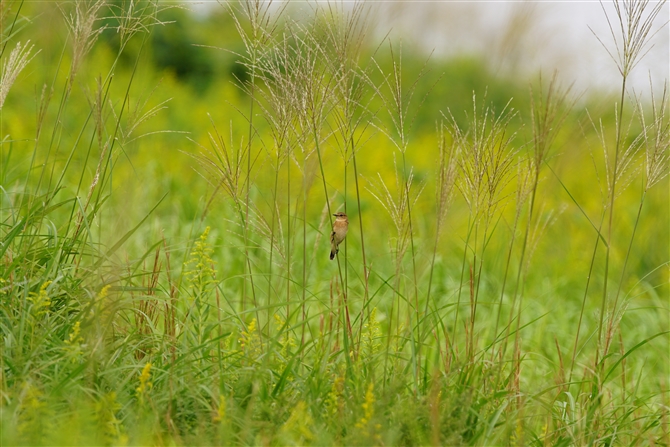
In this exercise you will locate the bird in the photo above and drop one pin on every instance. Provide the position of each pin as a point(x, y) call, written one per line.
point(340, 227)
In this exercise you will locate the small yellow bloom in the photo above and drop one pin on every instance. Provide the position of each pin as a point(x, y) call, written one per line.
point(40, 300)
point(371, 335)
point(74, 346)
point(74, 335)
point(198, 269)
point(334, 404)
point(368, 407)
point(250, 341)
point(145, 383)
point(221, 409)
point(104, 292)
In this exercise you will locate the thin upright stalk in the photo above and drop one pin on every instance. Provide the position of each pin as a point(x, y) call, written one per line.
point(348, 332)
point(416, 330)
point(460, 282)
point(623, 269)
point(272, 238)
point(473, 297)
point(446, 179)
point(360, 227)
point(610, 219)
point(504, 283)
point(520, 273)
point(252, 100)
point(346, 262)
point(288, 238)
point(304, 250)
point(586, 290)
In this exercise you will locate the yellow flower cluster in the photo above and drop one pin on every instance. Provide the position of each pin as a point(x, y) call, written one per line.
point(200, 272)
point(285, 341)
point(371, 335)
point(74, 343)
point(220, 415)
point(368, 412)
point(74, 335)
point(104, 292)
point(250, 341)
point(368, 407)
point(40, 300)
point(145, 380)
point(335, 399)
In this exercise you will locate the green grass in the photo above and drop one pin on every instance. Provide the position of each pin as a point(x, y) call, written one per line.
point(504, 280)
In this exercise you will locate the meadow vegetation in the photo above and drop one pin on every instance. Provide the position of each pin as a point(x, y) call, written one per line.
point(167, 186)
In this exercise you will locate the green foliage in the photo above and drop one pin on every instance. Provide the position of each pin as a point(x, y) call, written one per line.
point(162, 288)
point(173, 50)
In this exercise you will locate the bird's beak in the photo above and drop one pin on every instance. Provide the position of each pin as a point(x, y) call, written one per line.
point(335, 215)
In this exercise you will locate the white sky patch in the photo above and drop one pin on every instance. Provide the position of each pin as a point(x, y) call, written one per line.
point(524, 37)
point(517, 37)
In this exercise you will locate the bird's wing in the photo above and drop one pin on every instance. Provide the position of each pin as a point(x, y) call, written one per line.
point(332, 237)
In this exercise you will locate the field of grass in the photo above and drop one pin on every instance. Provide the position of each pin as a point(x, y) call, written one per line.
point(165, 216)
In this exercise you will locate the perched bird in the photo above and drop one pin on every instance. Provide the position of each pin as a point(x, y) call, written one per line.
point(340, 228)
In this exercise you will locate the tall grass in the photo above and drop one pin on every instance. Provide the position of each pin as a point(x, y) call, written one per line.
point(455, 314)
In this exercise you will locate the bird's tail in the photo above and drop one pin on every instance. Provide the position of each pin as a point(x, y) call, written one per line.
point(333, 251)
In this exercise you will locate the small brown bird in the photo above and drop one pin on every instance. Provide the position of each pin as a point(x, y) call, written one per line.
point(340, 227)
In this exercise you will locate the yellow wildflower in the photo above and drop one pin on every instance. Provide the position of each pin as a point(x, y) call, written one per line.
point(371, 335)
point(250, 341)
point(40, 300)
point(285, 341)
point(74, 346)
point(104, 292)
point(201, 273)
point(145, 383)
point(368, 407)
point(220, 410)
point(335, 400)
